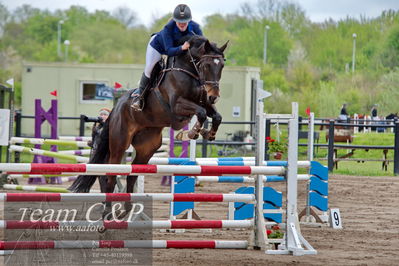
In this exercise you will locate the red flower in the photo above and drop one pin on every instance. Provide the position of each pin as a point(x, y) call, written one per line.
point(268, 232)
point(276, 227)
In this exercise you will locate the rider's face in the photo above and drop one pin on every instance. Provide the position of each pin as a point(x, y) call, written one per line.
point(182, 26)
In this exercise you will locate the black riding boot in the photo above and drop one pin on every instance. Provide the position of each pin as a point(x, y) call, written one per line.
point(139, 95)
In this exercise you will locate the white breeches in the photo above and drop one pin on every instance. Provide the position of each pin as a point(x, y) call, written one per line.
point(151, 58)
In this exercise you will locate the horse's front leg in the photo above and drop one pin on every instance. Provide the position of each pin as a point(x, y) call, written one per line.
point(216, 120)
point(194, 132)
point(187, 108)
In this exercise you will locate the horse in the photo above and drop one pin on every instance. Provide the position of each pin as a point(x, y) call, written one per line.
point(188, 86)
point(392, 116)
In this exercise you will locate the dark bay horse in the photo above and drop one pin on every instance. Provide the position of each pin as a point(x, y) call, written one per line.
point(392, 116)
point(190, 86)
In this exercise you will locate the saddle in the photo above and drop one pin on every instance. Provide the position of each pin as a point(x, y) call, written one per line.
point(155, 79)
point(158, 72)
point(161, 67)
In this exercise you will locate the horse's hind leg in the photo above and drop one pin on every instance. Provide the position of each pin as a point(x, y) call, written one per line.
point(146, 143)
point(118, 147)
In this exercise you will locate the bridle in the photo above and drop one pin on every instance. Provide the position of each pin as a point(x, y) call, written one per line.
point(199, 69)
point(199, 76)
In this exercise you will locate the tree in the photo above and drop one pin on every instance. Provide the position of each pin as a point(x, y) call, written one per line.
point(41, 28)
point(4, 18)
point(293, 19)
point(263, 9)
point(126, 16)
point(248, 38)
point(24, 12)
point(299, 70)
point(159, 23)
point(219, 28)
point(389, 56)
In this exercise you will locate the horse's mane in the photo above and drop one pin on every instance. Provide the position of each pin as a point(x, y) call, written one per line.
point(392, 116)
point(197, 40)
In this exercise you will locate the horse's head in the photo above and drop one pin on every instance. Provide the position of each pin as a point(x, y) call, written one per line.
point(209, 61)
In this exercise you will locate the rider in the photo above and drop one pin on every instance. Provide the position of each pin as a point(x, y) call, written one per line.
point(165, 42)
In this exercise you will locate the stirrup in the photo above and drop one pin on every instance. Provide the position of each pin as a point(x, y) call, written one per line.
point(137, 102)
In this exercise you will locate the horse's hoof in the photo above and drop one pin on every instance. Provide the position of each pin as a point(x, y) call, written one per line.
point(182, 136)
point(192, 135)
point(206, 134)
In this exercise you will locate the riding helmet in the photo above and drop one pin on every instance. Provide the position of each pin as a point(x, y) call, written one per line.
point(182, 14)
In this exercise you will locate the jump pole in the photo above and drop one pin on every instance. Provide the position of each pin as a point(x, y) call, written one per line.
point(134, 169)
point(35, 188)
point(125, 197)
point(93, 244)
point(76, 158)
point(136, 225)
point(40, 141)
point(239, 161)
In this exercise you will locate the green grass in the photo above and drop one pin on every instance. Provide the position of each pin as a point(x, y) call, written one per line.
point(351, 167)
point(362, 169)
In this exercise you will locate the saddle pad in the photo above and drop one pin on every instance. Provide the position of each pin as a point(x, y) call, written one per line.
point(135, 91)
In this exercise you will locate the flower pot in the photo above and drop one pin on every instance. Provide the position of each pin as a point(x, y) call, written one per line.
point(278, 155)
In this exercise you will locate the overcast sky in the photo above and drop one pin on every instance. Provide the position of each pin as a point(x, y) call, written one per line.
point(316, 10)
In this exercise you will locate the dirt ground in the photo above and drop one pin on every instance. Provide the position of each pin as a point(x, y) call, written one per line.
point(370, 234)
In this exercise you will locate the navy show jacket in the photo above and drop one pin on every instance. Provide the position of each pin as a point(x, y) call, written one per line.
point(166, 41)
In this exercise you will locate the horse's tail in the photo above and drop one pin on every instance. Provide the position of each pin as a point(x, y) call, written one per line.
point(84, 182)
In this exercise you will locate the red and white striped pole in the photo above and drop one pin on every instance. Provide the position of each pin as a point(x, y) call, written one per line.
point(137, 169)
point(137, 225)
point(131, 197)
point(85, 244)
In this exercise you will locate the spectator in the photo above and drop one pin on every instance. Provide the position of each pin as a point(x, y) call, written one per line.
point(343, 116)
point(374, 115)
point(98, 126)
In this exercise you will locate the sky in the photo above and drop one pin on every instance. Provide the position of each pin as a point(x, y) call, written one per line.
point(316, 10)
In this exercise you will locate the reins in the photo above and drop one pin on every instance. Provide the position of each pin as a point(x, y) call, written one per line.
point(198, 66)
